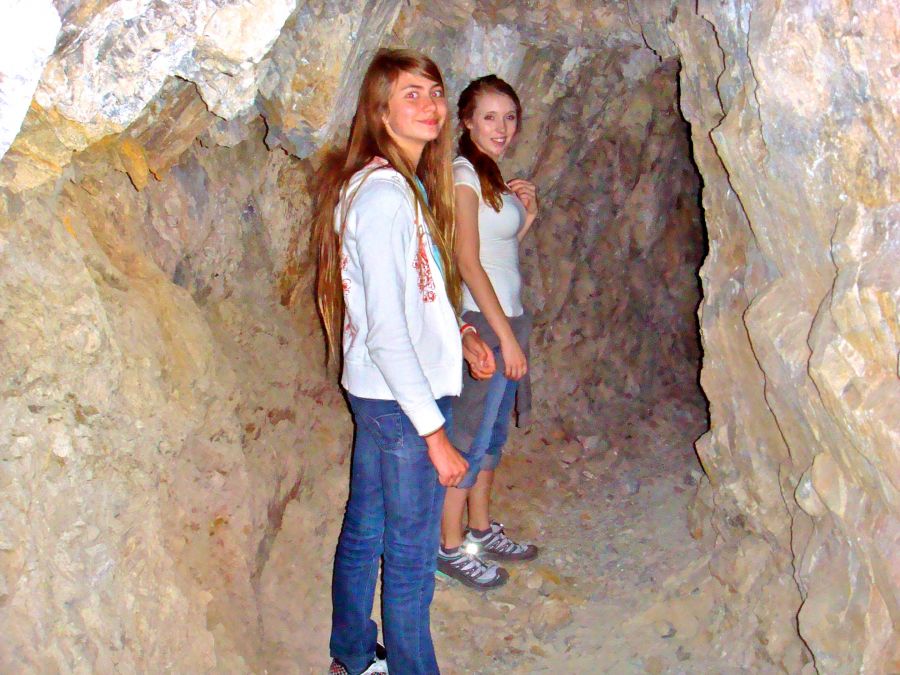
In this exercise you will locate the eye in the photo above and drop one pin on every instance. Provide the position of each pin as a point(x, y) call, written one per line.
point(412, 94)
point(511, 117)
point(438, 93)
point(489, 117)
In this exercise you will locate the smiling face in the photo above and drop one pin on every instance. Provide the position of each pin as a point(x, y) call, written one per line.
point(416, 113)
point(493, 124)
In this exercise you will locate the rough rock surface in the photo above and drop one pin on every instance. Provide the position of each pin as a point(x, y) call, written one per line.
point(617, 252)
point(173, 456)
point(794, 115)
point(113, 57)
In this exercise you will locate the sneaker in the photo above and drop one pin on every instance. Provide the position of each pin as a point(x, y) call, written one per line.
point(378, 665)
point(470, 570)
point(497, 546)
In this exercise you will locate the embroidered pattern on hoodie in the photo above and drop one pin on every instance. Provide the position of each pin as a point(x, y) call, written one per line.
point(349, 329)
point(423, 270)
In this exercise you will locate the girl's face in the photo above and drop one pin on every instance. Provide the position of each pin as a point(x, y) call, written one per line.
point(493, 124)
point(416, 112)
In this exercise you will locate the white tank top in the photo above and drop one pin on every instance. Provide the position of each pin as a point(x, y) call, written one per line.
point(499, 247)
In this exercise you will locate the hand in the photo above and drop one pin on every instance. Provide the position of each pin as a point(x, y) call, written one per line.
point(527, 194)
point(450, 465)
point(478, 355)
point(516, 365)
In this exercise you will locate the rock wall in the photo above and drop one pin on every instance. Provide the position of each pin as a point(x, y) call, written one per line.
point(793, 110)
point(612, 270)
point(152, 434)
point(174, 455)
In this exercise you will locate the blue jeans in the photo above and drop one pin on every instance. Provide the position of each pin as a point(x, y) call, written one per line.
point(487, 446)
point(394, 510)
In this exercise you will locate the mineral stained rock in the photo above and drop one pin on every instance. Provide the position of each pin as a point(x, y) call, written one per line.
point(174, 453)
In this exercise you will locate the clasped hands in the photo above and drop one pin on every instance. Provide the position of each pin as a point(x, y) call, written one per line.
point(479, 356)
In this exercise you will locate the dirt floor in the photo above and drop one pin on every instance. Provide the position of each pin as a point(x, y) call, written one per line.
point(620, 585)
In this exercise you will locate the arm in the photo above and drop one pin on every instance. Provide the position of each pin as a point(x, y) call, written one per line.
point(450, 465)
point(383, 237)
point(527, 194)
point(467, 258)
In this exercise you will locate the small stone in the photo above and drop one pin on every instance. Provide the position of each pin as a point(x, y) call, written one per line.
point(534, 581)
point(504, 607)
point(593, 444)
point(631, 485)
point(537, 650)
point(62, 446)
point(602, 463)
point(549, 616)
point(549, 575)
point(664, 629)
point(570, 452)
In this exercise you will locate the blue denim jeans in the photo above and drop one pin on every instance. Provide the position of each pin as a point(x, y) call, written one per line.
point(394, 510)
point(487, 446)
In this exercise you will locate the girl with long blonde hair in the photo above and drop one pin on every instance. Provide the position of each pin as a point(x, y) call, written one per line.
point(386, 289)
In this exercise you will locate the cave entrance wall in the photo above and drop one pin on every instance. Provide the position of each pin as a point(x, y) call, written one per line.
point(156, 389)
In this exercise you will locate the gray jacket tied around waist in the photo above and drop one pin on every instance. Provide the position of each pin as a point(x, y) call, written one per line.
point(469, 407)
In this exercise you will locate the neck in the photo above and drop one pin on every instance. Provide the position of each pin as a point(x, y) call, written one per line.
point(494, 157)
point(412, 152)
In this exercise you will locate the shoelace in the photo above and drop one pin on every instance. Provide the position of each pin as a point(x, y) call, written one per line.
point(507, 545)
point(473, 566)
point(501, 543)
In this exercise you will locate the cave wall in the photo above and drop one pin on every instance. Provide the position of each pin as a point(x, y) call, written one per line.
point(174, 454)
point(617, 252)
point(152, 435)
point(793, 110)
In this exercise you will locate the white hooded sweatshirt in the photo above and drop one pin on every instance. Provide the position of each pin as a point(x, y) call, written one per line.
point(401, 336)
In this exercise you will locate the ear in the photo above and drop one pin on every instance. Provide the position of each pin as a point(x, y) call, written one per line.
point(387, 127)
point(469, 124)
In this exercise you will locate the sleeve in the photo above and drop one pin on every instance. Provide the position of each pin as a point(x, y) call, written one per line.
point(464, 174)
point(385, 229)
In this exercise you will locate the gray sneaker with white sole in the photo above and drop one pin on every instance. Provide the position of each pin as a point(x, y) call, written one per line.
point(497, 546)
point(467, 568)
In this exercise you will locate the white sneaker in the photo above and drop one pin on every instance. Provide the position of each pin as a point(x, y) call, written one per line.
point(378, 665)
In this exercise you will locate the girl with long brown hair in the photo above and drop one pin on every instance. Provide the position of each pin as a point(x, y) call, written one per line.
point(492, 217)
point(386, 284)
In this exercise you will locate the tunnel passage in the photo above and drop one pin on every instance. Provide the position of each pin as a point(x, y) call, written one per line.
point(175, 456)
point(613, 272)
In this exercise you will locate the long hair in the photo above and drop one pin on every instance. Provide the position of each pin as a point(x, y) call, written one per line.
point(492, 184)
point(369, 139)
